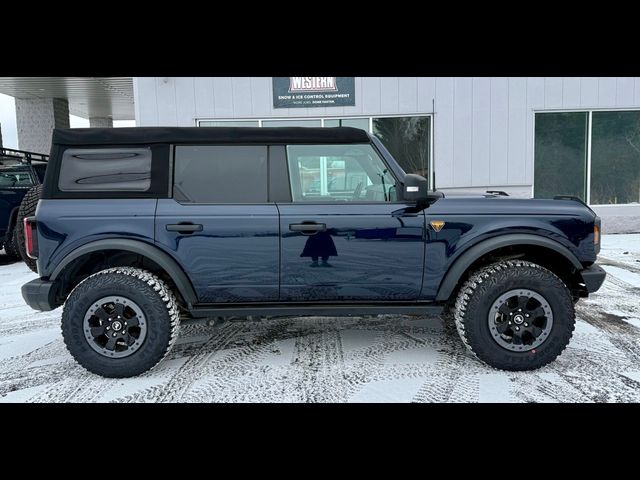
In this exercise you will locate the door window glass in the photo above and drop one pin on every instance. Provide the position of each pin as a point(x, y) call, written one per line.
point(340, 173)
point(220, 174)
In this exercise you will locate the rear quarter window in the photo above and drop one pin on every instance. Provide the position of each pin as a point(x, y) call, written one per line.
point(105, 170)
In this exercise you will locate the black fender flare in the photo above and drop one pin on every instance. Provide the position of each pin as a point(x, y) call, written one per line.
point(466, 259)
point(135, 246)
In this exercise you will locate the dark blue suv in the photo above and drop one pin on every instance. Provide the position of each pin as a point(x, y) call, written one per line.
point(139, 229)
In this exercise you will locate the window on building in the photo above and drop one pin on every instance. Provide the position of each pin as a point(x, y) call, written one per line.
point(615, 157)
point(562, 150)
point(229, 123)
point(560, 154)
point(291, 123)
point(408, 140)
point(105, 170)
point(361, 123)
point(220, 174)
point(341, 173)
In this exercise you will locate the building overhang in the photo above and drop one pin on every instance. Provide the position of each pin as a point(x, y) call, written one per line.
point(89, 97)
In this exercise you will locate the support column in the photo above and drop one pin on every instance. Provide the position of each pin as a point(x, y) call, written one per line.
point(101, 122)
point(36, 118)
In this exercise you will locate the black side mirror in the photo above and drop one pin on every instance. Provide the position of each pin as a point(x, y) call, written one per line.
point(415, 189)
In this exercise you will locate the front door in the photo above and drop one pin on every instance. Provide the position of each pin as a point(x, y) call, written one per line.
point(344, 236)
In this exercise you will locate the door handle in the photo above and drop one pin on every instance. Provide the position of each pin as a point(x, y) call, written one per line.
point(184, 227)
point(310, 228)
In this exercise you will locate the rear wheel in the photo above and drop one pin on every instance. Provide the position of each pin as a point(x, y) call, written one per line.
point(120, 322)
point(515, 315)
point(27, 209)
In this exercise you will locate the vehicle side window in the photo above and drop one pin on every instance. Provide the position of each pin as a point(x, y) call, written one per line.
point(15, 179)
point(106, 169)
point(339, 173)
point(40, 171)
point(220, 174)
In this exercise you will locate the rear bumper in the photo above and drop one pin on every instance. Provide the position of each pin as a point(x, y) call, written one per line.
point(39, 295)
point(593, 277)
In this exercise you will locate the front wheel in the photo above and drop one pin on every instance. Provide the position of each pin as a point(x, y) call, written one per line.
point(120, 322)
point(515, 315)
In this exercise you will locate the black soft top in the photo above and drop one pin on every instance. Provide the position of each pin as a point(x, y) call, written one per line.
point(147, 135)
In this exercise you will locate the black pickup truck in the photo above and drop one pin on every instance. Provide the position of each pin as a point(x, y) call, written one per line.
point(20, 171)
point(139, 229)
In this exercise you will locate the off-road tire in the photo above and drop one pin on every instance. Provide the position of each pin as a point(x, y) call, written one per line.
point(154, 298)
point(10, 246)
point(487, 284)
point(27, 209)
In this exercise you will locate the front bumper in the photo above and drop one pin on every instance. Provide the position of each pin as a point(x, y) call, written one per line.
point(593, 277)
point(39, 295)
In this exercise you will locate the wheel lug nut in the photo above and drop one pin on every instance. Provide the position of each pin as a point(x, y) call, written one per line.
point(517, 328)
point(115, 334)
point(526, 324)
point(509, 323)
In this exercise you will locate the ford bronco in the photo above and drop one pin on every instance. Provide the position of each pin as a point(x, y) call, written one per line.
point(139, 229)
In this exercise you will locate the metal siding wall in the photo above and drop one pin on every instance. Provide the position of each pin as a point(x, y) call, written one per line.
point(553, 92)
point(624, 90)
point(205, 106)
point(167, 106)
point(570, 91)
point(607, 91)
point(484, 126)
point(481, 133)
point(463, 131)
point(444, 132)
point(588, 91)
point(535, 100)
point(517, 132)
point(498, 164)
point(185, 100)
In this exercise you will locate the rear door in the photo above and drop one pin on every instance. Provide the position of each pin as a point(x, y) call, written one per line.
point(344, 235)
point(220, 225)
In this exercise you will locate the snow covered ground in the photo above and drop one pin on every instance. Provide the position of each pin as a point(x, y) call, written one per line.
point(324, 359)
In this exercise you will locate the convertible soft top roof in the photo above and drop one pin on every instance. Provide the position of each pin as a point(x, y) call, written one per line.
point(147, 135)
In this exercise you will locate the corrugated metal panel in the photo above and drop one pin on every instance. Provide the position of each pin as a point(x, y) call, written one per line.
point(607, 91)
point(462, 125)
point(444, 134)
point(588, 91)
point(498, 164)
point(517, 131)
point(571, 91)
point(481, 133)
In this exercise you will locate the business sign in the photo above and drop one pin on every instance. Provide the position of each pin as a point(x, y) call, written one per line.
point(309, 92)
